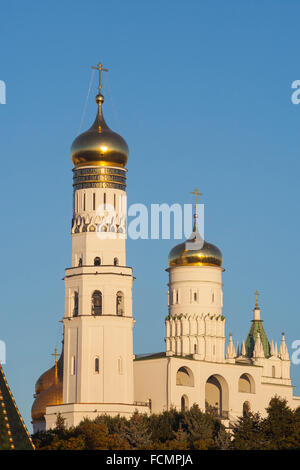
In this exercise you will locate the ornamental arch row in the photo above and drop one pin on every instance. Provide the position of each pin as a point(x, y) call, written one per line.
point(216, 390)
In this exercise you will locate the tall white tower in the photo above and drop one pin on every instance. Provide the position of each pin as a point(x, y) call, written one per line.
point(98, 321)
point(195, 324)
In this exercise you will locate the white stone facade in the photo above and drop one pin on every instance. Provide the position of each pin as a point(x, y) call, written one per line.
point(98, 345)
point(100, 372)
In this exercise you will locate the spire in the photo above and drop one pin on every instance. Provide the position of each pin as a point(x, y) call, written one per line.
point(257, 326)
point(243, 349)
point(258, 351)
point(230, 353)
point(196, 193)
point(13, 432)
point(256, 297)
point(256, 310)
point(272, 350)
point(98, 146)
point(100, 68)
point(283, 350)
point(100, 123)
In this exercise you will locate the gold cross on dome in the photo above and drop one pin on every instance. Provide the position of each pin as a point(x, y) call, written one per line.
point(100, 68)
point(196, 193)
point(55, 356)
point(256, 296)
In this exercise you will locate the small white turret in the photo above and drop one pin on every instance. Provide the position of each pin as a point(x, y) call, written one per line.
point(230, 353)
point(256, 310)
point(283, 350)
point(272, 349)
point(258, 352)
point(256, 313)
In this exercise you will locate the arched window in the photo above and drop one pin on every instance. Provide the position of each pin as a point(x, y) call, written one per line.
point(94, 201)
point(246, 408)
point(97, 303)
point(185, 377)
point(75, 310)
point(120, 303)
point(97, 261)
point(84, 202)
point(273, 372)
point(195, 348)
point(116, 262)
point(195, 296)
point(246, 384)
point(97, 365)
point(184, 403)
point(80, 262)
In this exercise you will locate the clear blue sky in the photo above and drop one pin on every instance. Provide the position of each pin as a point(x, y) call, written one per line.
point(201, 92)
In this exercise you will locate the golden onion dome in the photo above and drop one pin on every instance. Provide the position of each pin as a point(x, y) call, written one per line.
point(206, 255)
point(51, 396)
point(99, 145)
point(48, 378)
point(45, 380)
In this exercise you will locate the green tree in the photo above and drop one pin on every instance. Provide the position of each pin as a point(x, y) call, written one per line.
point(180, 441)
point(97, 437)
point(163, 425)
point(248, 433)
point(223, 439)
point(136, 431)
point(281, 427)
point(60, 423)
point(201, 428)
point(114, 424)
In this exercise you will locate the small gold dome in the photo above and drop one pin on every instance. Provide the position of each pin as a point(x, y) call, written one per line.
point(48, 389)
point(99, 145)
point(208, 255)
point(48, 378)
point(45, 380)
point(51, 396)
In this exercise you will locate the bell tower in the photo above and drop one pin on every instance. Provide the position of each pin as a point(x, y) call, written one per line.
point(195, 324)
point(98, 321)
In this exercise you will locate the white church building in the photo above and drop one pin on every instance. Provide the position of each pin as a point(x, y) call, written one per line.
point(97, 372)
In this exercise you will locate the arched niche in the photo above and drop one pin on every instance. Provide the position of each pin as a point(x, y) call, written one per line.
point(185, 377)
point(246, 384)
point(217, 396)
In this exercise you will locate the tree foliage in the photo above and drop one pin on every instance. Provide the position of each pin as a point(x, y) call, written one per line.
point(175, 430)
point(279, 430)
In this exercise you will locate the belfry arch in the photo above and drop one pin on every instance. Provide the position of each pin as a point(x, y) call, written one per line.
point(246, 384)
point(185, 377)
point(217, 396)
